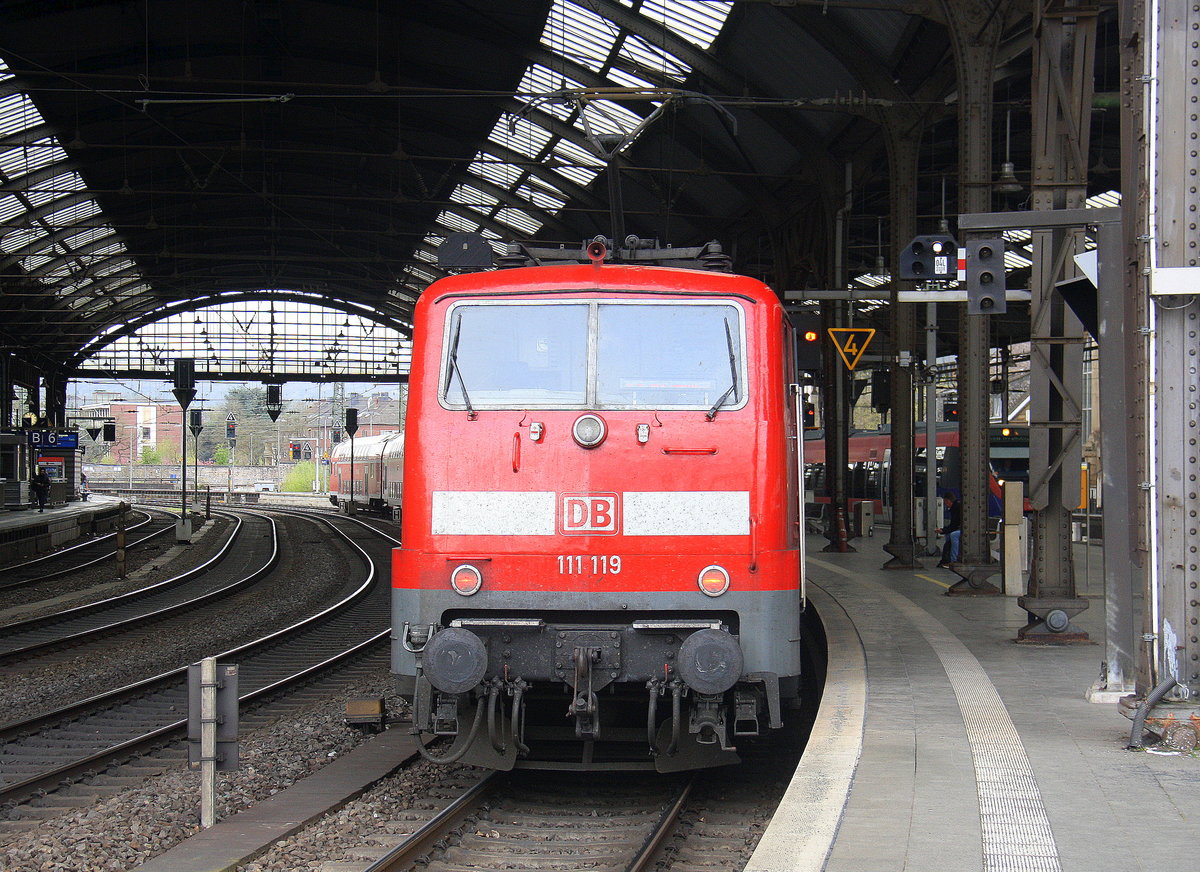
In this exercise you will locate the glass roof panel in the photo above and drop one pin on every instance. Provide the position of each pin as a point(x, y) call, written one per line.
point(456, 222)
point(262, 336)
point(22, 237)
point(72, 214)
point(652, 58)
point(579, 35)
point(24, 159)
point(86, 236)
point(629, 80)
point(10, 207)
point(697, 21)
point(29, 264)
point(541, 198)
point(112, 266)
point(520, 134)
point(17, 113)
point(605, 116)
point(539, 80)
point(474, 199)
point(498, 173)
point(518, 219)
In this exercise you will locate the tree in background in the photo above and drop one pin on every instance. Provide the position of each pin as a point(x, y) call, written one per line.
point(300, 478)
point(220, 455)
point(150, 456)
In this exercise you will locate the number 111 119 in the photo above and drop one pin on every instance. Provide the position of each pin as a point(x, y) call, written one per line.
point(597, 564)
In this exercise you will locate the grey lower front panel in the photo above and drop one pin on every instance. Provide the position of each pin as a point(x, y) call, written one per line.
point(766, 625)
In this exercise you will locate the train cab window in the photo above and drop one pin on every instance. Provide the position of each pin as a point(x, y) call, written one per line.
point(604, 355)
point(512, 356)
point(668, 356)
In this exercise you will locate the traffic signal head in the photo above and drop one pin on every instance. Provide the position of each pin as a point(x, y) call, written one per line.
point(810, 416)
point(294, 447)
point(110, 431)
point(808, 342)
point(930, 258)
point(950, 412)
point(985, 277)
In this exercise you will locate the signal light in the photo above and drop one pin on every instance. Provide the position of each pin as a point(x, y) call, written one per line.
point(985, 277)
point(808, 342)
point(466, 580)
point(294, 447)
point(950, 412)
point(713, 580)
point(110, 432)
point(930, 258)
point(810, 416)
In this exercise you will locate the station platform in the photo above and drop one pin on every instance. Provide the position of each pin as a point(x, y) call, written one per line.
point(27, 533)
point(943, 744)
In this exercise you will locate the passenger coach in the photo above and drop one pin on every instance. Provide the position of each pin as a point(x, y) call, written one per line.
point(601, 560)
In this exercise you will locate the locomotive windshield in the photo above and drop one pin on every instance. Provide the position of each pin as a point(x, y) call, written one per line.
point(605, 355)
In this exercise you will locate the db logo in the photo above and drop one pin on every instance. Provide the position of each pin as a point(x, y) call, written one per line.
point(589, 514)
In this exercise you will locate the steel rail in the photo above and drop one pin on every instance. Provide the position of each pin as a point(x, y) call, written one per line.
point(430, 832)
point(54, 777)
point(14, 629)
point(90, 543)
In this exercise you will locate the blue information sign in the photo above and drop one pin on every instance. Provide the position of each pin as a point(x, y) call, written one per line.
point(53, 439)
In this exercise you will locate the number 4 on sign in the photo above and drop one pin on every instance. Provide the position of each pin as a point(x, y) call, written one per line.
point(851, 342)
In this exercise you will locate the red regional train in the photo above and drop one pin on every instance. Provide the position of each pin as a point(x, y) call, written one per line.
point(378, 473)
point(601, 564)
point(870, 452)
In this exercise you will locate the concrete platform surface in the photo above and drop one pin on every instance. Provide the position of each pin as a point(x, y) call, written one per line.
point(975, 752)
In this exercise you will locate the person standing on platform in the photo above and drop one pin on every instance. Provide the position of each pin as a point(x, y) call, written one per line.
point(40, 485)
point(83, 486)
point(952, 531)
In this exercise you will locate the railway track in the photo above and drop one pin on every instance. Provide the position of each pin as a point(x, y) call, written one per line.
point(249, 552)
point(148, 528)
point(617, 822)
point(43, 753)
point(622, 825)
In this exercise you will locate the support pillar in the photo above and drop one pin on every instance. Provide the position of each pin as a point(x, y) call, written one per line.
point(1173, 602)
point(1063, 60)
point(904, 140)
point(975, 29)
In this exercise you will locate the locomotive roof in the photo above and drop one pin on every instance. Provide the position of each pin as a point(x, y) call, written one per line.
point(587, 278)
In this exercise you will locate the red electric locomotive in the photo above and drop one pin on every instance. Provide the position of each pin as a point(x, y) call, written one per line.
point(602, 560)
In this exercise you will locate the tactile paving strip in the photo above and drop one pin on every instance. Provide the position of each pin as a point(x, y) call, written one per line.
point(1016, 830)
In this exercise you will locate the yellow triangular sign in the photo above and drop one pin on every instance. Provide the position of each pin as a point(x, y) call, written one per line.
point(851, 342)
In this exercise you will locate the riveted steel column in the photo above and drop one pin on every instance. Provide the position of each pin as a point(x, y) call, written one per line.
point(1175, 344)
point(1130, 551)
point(975, 29)
point(1064, 53)
point(904, 139)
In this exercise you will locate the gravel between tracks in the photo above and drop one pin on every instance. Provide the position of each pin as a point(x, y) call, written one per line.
point(125, 830)
point(155, 561)
point(336, 835)
point(312, 572)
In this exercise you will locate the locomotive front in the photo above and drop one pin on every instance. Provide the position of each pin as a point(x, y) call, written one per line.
point(601, 564)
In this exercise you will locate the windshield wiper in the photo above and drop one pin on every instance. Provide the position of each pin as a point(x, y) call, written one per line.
point(455, 370)
point(733, 383)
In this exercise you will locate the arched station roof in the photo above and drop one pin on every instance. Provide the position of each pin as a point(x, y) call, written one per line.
point(154, 154)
